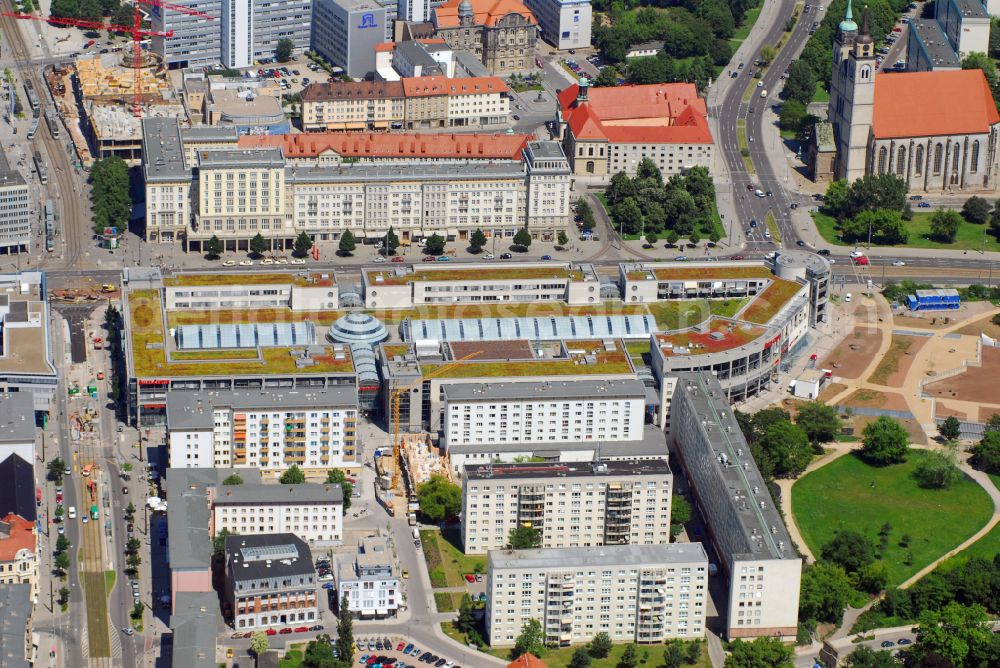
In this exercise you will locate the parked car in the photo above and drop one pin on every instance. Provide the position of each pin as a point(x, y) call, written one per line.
point(546, 257)
point(302, 629)
point(398, 258)
point(924, 205)
point(506, 256)
point(899, 263)
point(429, 258)
point(285, 631)
point(271, 632)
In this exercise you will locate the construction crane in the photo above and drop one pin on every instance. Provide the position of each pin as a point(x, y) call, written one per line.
point(397, 443)
point(135, 30)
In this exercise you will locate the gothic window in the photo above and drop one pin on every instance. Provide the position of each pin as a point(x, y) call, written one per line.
point(590, 166)
point(883, 158)
point(938, 158)
point(974, 159)
point(901, 161)
point(918, 162)
point(866, 73)
point(954, 157)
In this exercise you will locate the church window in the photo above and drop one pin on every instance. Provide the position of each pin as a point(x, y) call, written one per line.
point(866, 73)
point(883, 157)
point(954, 157)
point(918, 162)
point(974, 160)
point(901, 161)
point(938, 158)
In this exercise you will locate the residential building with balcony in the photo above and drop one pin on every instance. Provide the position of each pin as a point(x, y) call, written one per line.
point(645, 594)
point(370, 580)
point(270, 581)
point(576, 504)
point(756, 554)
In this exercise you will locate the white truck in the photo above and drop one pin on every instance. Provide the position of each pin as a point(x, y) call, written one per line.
point(71, 512)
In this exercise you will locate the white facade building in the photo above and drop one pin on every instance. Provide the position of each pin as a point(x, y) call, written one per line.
point(573, 504)
point(565, 23)
point(15, 209)
point(371, 581)
point(414, 11)
point(553, 412)
point(645, 594)
point(313, 512)
point(315, 429)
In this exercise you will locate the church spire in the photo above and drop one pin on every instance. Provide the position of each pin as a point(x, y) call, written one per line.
point(848, 24)
point(865, 36)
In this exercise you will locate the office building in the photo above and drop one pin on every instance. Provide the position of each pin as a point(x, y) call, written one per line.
point(17, 488)
point(577, 504)
point(25, 357)
point(17, 426)
point(370, 580)
point(565, 24)
point(414, 11)
point(939, 299)
point(15, 210)
point(501, 33)
point(299, 291)
point(554, 412)
point(756, 554)
point(18, 552)
point(611, 130)
point(17, 616)
point(251, 29)
point(270, 581)
point(345, 32)
point(193, 625)
point(313, 512)
point(195, 40)
point(646, 594)
point(959, 28)
point(313, 429)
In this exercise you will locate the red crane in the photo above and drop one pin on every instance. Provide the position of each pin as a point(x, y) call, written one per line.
point(135, 30)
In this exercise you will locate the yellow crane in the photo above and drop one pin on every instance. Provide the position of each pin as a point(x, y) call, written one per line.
point(397, 393)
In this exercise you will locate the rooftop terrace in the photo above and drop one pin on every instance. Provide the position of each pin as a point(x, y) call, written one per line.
point(583, 358)
point(720, 272)
point(719, 335)
point(498, 273)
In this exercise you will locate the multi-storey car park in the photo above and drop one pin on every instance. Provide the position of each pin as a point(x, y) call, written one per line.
point(576, 504)
point(755, 551)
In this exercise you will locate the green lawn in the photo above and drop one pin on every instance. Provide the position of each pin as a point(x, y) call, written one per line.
point(99, 640)
point(680, 314)
point(293, 656)
point(986, 547)
point(744, 30)
point(447, 601)
point(970, 236)
point(109, 581)
point(822, 94)
point(841, 496)
point(772, 226)
point(446, 564)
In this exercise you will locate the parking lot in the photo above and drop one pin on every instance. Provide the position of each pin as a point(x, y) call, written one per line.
point(398, 653)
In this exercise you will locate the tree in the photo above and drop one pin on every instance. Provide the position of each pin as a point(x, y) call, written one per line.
point(651, 238)
point(600, 646)
point(694, 238)
point(672, 237)
point(562, 238)
point(680, 513)
point(466, 619)
point(530, 640)
point(347, 243)
point(524, 538)
point(865, 657)
point(259, 643)
point(986, 454)
point(64, 595)
point(819, 421)
point(133, 545)
point(69, 9)
point(950, 429)
point(62, 563)
point(303, 243)
point(283, 50)
point(292, 476)
point(134, 561)
point(885, 442)
point(824, 593)
point(435, 244)
point(213, 248)
point(976, 210)
point(130, 511)
point(56, 467)
point(439, 498)
point(620, 188)
point(791, 115)
point(90, 10)
point(477, 240)
point(62, 543)
point(953, 633)
point(673, 655)
point(874, 192)
point(850, 550)
point(835, 199)
point(391, 242)
point(258, 244)
point(345, 629)
point(647, 169)
point(630, 657)
point(768, 54)
point(985, 63)
point(764, 651)
point(522, 238)
point(801, 83)
point(337, 477)
point(580, 658)
point(109, 194)
point(944, 225)
point(783, 450)
point(319, 654)
point(111, 317)
point(874, 577)
point(937, 470)
point(607, 78)
point(233, 479)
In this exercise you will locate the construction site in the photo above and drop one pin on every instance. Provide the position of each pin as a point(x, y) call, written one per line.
point(88, 294)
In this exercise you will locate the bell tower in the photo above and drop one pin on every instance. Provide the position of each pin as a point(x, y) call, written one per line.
point(852, 94)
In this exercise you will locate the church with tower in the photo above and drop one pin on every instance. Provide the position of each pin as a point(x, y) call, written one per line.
point(935, 130)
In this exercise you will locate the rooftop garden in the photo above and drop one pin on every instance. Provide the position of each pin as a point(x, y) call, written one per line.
point(607, 363)
point(733, 335)
point(149, 350)
point(683, 313)
point(767, 304)
point(240, 278)
point(496, 273)
point(689, 273)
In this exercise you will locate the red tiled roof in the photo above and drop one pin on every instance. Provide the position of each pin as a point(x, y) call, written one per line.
point(385, 46)
point(426, 86)
point(636, 114)
point(927, 104)
point(350, 90)
point(22, 536)
point(487, 12)
point(373, 145)
point(528, 660)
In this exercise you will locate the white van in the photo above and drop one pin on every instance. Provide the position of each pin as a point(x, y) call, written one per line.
point(71, 511)
point(847, 297)
point(763, 94)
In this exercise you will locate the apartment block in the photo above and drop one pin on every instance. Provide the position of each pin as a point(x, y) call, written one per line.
point(646, 594)
point(270, 581)
point(370, 580)
point(583, 504)
point(756, 553)
point(314, 429)
point(15, 209)
point(565, 24)
point(550, 412)
point(313, 512)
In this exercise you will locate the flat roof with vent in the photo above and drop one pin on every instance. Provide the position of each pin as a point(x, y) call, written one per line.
point(550, 470)
point(275, 555)
point(576, 389)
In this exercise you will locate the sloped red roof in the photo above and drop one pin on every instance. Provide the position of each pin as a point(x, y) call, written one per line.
point(374, 145)
point(439, 85)
point(654, 113)
point(527, 661)
point(928, 104)
point(22, 536)
point(487, 12)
